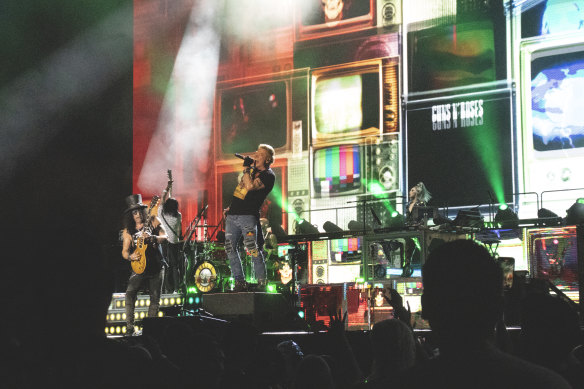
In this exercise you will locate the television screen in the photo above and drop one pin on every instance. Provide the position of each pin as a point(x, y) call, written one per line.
point(345, 250)
point(452, 56)
point(553, 128)
point(346, 105)
point(551, 17)
point(553, 256)
point(253, 114)
point(337, 170)
point(462, 148)
point(319, 18)
point(557, 114)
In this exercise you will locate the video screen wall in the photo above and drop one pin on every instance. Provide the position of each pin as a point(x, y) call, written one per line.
point(462, 148)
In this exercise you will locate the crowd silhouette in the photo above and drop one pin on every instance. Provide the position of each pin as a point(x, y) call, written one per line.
point(63, 345)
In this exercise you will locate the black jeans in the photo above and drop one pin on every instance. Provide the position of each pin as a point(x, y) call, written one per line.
point(174, 276)
point(134, 284)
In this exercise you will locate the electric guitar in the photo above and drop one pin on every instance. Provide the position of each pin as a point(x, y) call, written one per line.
point(141, 245)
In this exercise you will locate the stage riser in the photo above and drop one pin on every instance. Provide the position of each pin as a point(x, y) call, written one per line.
point(267, 311)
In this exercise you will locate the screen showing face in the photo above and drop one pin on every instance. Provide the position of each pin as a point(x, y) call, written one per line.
point(337, 170)
point(556, 106)
point(346, 104)
point(316, 12)
point(462, 149)
point(252, 115)
point(452, 56)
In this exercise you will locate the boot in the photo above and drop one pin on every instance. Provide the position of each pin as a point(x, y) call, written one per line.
point(240, 286)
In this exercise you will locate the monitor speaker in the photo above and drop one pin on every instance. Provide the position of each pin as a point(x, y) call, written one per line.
point(384, 164)
point(320, 273)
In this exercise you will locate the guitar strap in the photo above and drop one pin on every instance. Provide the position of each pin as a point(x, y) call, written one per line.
point(169, 226)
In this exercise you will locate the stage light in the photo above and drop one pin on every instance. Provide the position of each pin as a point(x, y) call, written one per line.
point(469, 218)
point(544, 213)
point(331, 227)
point(506, 218)
point(354, 225)
point(575, 214)
point(303, 227)
point(271, 288)
point(301, 314)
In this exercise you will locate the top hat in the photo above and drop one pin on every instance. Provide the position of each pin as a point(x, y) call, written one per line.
point(134, 202)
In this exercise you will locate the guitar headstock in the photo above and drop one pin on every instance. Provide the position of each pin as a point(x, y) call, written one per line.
point(153, 203)
point(170, 180)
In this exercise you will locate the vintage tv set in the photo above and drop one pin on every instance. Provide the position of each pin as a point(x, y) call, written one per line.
point(467, 144)
point(354, 100)
point(387, 257)
point(553, 257)
point(552, 114)
point(456, 55)
point(273, 208)
point(317, 19)
point(258, 110)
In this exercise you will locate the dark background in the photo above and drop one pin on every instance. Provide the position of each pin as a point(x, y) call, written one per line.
point(62, 199)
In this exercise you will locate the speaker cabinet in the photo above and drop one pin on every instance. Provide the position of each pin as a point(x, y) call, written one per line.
point(267, 311)
point(320, 273)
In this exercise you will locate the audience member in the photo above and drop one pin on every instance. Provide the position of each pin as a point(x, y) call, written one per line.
point(313, 373)
point(462, 301)
point(394, 350)
point(550, 332)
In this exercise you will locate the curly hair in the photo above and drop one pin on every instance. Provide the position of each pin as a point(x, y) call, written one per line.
point(129, 223)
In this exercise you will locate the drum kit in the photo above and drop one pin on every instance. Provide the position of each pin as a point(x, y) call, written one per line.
point(206, 262)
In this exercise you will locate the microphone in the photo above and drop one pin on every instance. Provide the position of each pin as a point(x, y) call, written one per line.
point(247, 161)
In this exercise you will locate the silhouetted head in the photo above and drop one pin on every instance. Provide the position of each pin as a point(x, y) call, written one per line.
point(313, 372)
point(550, 329)
point(463, 291)
point(394, 347)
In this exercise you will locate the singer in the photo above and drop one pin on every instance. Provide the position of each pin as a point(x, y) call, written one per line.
point(242, 216)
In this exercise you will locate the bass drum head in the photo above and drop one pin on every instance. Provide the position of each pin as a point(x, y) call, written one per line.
point(206, 277)
point(210, 276)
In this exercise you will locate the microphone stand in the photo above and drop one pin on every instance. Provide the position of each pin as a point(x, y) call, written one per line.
point(491, 205)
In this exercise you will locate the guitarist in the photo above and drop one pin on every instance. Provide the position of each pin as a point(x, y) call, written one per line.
point(171, 220)
point(136, 226)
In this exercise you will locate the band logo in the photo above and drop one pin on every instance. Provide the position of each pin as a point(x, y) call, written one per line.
point(459, 114)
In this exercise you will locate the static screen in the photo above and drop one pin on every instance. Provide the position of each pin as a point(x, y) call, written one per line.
point(253, 115)
point(346, 104)
point(461, 149)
